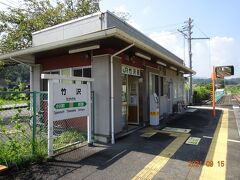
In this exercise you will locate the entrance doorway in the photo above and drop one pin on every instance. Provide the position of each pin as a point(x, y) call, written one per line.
point(130, 100)
point(133, 101)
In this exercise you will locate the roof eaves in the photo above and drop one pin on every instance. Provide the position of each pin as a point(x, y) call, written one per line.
point(124, 36)
point(67, 42)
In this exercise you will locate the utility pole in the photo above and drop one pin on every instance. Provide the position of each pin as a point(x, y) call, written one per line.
point(187, 33)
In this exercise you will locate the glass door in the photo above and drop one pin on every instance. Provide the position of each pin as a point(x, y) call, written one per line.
point(124, 101)
point(133, 100)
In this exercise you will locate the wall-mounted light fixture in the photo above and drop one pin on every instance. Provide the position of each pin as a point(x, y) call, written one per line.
point(181, 72)
point(72, 51)
point(173, 68)
point(143, 56)
point(160, 63)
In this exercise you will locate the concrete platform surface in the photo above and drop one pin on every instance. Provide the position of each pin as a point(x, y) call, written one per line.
point(165, 155)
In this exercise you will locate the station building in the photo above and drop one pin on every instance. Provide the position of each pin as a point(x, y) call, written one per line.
point(130, 70)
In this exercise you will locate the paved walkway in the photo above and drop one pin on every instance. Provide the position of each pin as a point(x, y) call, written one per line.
point(161, 156)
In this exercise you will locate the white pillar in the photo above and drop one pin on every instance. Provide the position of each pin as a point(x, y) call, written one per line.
point(50, 117)
point(35, 77)
point(89, 117)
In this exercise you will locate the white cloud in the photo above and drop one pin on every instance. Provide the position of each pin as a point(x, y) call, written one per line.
point(121, 8)
point(131, 21)
point(222, 51)
point(146, 10)
point(168, 41)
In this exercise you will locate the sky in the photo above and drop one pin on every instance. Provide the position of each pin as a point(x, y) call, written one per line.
point(216, 19)
point(160, 19)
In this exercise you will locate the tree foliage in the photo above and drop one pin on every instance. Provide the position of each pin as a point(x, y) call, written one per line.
point(201, 92)
point(17, 24)
point(17, 74)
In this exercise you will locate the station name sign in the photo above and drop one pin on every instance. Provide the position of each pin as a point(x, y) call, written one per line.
point(130, 70)
point(69, 101)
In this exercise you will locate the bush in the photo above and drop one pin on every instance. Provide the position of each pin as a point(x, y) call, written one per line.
point(233, 89)
point(16, 142)
point(201, 93)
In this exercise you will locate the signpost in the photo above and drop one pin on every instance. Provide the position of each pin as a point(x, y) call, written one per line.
point(66, 101)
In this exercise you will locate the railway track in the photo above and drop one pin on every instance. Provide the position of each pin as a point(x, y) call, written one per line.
point(226, 100)
point(237, 97)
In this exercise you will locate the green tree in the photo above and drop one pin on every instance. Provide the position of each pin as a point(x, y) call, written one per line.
point(17, 24)
point(18, 73)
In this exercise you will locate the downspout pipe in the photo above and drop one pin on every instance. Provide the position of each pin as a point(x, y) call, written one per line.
point(112, 91)
point(20, 62)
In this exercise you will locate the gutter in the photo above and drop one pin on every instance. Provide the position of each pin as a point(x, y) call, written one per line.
point(112, 91)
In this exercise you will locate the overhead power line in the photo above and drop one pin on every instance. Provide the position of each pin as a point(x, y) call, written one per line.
point(6, 4)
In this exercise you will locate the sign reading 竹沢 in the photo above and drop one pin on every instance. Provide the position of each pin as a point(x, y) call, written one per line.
point(69, 101)
point(129, 70)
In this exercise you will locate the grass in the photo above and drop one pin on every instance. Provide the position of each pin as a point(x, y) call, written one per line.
point(67, 138)
point(18, 153)
point(14, 102)
point(233, 89)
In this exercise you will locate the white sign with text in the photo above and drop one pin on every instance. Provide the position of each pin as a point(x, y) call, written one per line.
point(69, 101)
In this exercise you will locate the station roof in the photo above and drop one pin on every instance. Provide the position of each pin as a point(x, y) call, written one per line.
point(28, 55)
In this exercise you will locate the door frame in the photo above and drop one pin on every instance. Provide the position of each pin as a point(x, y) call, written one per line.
point(137, 92)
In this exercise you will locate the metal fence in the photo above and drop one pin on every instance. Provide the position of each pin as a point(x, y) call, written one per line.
point(24, 128)
point(71, 133)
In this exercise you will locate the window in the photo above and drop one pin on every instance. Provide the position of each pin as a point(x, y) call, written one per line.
point(154, 84)
point(180, 89)
point(165, 87)
point(175, 86)
point(82, 72)
point(87, 72)
point(161, 86)
point(77, 72)
point(45, 81)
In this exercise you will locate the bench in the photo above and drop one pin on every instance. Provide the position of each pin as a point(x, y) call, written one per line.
point(3, 168)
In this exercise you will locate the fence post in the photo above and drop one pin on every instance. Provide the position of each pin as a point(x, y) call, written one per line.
point(34, 123)
point(50, 117)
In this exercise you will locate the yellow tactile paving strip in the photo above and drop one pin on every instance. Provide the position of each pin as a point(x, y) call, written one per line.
point(153, 167)
point(217, 151)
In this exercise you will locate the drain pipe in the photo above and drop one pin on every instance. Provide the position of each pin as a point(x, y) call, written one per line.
point(18, 61)
point(112, 91)
point(30, 68)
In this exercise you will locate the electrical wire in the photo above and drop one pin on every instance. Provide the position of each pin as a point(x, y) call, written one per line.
point(11, 3)
point(6, 4)
point(210, 56)
point(157, 27)
point(201, 31)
